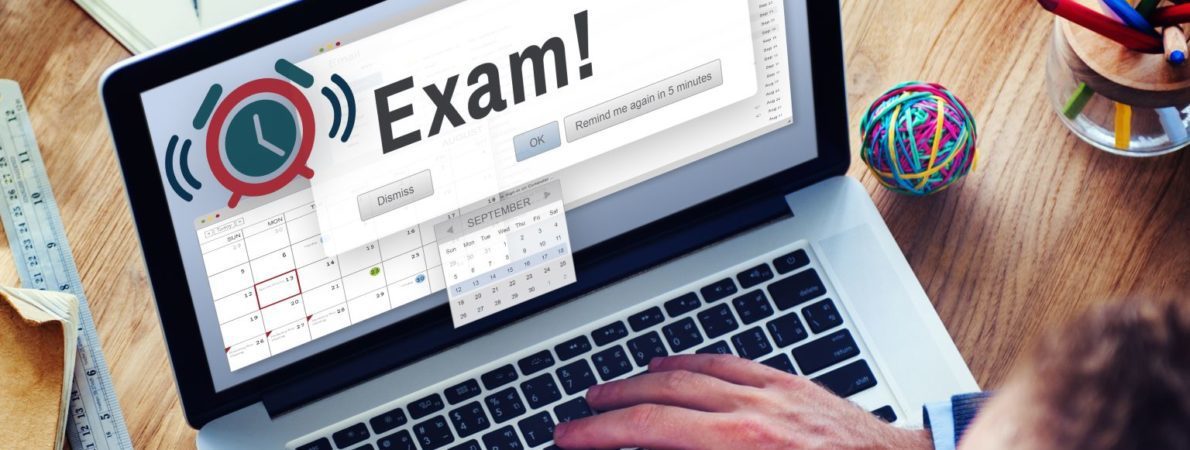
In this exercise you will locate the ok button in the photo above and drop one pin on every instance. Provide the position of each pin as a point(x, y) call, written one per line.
point(537, 141)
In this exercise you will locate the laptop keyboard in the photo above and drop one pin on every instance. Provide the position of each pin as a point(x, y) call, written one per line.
point(776, 311)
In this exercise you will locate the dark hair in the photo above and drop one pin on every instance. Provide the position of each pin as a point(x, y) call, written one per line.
point(1117, 378)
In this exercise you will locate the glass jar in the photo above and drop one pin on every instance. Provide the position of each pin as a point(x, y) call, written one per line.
point(1123, 102)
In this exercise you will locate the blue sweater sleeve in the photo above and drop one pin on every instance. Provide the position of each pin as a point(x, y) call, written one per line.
point(948, 420)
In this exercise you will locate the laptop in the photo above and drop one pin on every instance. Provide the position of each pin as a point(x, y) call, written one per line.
point(314, 186)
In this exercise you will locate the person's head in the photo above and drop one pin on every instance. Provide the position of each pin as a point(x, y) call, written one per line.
point(1118, 377)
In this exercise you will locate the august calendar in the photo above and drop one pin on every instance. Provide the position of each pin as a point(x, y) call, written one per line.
point(506, 253)
point(274, 288)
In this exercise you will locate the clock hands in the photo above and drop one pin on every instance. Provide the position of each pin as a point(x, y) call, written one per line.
point(261, 140)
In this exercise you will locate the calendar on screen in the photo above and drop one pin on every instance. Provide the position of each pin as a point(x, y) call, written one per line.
point(506, 253)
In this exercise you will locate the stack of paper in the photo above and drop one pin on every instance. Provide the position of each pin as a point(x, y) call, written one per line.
point(143, 25)
point(38, 339)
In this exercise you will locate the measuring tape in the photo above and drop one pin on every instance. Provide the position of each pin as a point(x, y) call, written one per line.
point(38, 241)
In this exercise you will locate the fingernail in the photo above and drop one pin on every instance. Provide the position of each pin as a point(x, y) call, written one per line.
point(655, 361)
point(593, 391)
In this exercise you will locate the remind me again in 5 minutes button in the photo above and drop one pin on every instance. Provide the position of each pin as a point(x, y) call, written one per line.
point(644, 100)
point(395, 195)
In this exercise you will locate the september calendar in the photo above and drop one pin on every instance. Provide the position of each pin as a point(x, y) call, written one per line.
point(506, 253)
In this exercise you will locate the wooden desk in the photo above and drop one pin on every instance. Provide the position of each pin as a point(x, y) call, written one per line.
point(1046, 226)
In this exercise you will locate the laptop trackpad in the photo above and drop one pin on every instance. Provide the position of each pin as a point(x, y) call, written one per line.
point(897, 321)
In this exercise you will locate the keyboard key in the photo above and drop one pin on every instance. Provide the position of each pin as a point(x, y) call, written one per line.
point(644, 348)
point(682, 335)
point(718, 290)
point(682, 305)
point(609, 333)
point(537, 429)
point(351, 435)
point(848, 380)
point(469, 445)
point(469, 419)
point(787, 330)
point(369, 447)
point(825, 352)
point(505, 405)
point(611, 363)
point(321, 444)
point(886, 413)
point(536, 362)
point(426, 406)
point(822, 316)
point(782, 363)
point(752, 307)
point(503, 439)
point(541, 391)
point(573, 348)
point(400, 440)
point(499, 377)
point(645, 319)
point(797, 289)
point(576, 377)
point(752, 343)
point(573, 410)
point(462, 391)
point(387, 421)
point(754, 276)
point(718, 348)
point(791, 262)
point(717, 321)
point(433, 433)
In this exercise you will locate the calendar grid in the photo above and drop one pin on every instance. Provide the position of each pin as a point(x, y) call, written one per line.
point(298, 280)
point(506, 253)
point(276, 290)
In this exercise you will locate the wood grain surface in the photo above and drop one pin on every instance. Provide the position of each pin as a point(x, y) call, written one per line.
point(1045, 227)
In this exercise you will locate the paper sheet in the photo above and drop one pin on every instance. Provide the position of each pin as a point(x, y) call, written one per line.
point(143, 25)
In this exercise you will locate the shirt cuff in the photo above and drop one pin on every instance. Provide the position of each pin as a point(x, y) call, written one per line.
point(940, 421)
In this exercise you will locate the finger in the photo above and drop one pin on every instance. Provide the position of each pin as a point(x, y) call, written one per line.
point(724, 367)
point(673, 388)
point(643, 426)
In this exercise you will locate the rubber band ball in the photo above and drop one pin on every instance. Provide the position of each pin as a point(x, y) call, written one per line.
point(918, 139)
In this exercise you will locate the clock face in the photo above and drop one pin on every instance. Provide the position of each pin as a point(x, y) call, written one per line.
point(261, 138)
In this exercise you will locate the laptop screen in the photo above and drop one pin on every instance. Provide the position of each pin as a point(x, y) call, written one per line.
point(310, 181)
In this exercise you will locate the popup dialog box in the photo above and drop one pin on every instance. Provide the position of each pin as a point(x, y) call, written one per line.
point(488, 95)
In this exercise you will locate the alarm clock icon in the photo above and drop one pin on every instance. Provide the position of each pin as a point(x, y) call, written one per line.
point(260, 138)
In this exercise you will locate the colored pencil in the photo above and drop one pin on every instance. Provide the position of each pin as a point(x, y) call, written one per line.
point(1171, 121)
point(1129, 16)
point(1078, 101)
point(1171, 15)
point(1107, 11)
point(1123, 126)
point(1175, 44)
point(1094, 21)
point(1146, 7)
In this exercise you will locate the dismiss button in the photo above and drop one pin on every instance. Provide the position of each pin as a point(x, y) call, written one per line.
point(395, 195)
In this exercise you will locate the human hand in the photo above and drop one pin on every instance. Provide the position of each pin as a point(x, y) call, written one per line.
point(725, 402)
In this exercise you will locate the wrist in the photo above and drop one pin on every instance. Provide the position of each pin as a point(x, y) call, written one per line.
point(920, 439)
